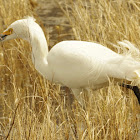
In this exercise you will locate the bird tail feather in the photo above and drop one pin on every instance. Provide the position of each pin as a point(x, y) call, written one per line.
point(131, 61)
point(137, 72)
point(132, 73)
point(125, 68)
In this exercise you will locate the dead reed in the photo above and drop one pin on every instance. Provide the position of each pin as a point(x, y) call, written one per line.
point(32, 108)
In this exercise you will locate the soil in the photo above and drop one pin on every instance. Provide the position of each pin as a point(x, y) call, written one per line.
point(54, 21)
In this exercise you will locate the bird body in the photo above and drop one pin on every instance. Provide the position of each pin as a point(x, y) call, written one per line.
point(80, 64)
point(76, 64)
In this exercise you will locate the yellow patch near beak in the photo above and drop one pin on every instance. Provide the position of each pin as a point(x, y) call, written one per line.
point(8, 32)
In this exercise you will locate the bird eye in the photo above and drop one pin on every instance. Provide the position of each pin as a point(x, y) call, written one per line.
point(10, 30)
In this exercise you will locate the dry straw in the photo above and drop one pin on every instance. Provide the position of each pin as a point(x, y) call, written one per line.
point(32, 108)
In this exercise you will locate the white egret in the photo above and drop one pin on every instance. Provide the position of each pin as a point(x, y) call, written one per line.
point(75, 64)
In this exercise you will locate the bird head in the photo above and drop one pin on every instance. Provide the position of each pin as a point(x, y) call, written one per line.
point(18, 29)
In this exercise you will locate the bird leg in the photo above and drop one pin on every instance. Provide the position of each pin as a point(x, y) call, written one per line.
point(78, 96)
point(135, 89)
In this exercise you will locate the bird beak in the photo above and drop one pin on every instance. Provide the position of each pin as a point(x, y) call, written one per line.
point(5, 33)
point(2, 37)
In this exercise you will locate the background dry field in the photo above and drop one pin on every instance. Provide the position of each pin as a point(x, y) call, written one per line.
point(31, 108)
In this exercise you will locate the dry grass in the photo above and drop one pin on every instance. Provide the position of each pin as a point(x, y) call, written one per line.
point(32, 108)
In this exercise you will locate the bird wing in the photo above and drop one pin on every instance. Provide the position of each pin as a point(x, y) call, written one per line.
point(79, 63)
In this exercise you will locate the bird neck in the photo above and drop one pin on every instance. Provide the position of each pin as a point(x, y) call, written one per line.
point(39, 50)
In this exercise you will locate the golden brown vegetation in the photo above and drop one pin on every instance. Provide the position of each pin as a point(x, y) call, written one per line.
point(32, 108)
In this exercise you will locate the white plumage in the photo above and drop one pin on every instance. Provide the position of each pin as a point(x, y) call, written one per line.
point(76, 64)
point(79, 64)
